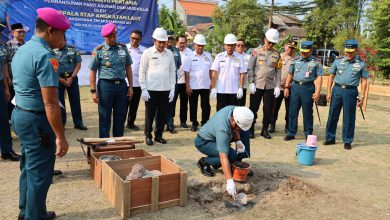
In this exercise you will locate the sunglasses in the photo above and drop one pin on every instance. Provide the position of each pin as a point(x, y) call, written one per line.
point(135, 38)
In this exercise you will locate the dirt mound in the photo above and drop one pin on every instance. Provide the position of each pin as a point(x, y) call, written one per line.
point(212, 198)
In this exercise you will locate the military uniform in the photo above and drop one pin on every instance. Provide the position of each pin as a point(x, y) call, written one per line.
point(264, 71)
point(304, 71)
point(172, 105)
point(68, 58)
point(229, 70)
point(347, 74)
point(34, 66)
point(111, 62)
point(5, 132)
point(286, 62)
point(13, 46)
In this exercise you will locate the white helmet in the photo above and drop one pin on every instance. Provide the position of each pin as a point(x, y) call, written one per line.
point(272, 35)
point(200, 39)
point(230, 39)
point(160, 34)
point(243, 117)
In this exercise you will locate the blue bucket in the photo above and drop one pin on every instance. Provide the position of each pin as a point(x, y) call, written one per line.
point(306, 154)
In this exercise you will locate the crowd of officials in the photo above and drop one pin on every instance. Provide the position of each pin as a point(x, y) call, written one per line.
point(38, 73)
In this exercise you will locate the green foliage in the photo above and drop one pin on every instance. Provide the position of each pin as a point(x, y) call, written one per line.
point(244, 18)
point(379, 17)
point(294, 8)
point(170, 20)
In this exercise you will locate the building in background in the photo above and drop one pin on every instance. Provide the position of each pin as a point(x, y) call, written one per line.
point(193, 12)
point(288, 24)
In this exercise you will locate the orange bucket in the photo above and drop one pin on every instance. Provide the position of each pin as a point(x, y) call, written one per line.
point(240, 171)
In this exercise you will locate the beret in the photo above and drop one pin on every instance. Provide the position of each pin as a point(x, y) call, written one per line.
point(108, 29)
point(54, 18)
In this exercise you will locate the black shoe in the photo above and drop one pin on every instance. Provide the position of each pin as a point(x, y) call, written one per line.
point(82, 127)
point(160, 140)
point(272, 129)
point(252, 134)
point(205, 168)
point(194, 128)
point(265, 134)
point(250, 173)
point(329, 142)
point(56, 172)
point(49, 216)
point(149, 141)
point(183, 125)
point(172, 130)
point(10, 157)
point(15, 154)
point(133, 127)
point(288, 138)
point(347, 146)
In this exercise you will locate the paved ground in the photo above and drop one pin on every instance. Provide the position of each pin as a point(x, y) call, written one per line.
point(341, 185)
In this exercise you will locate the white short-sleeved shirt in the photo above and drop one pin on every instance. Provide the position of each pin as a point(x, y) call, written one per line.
point(180, 73)
point(228, 69)
point(135, 54)
point(199, 68)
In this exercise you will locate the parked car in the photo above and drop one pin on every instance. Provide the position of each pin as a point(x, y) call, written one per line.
point(330, 56)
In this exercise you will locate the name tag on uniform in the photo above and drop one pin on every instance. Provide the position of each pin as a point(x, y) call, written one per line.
point(70, 53)
point(121, 53)
point(194, 60)
point(154, 58)
point(222, 61)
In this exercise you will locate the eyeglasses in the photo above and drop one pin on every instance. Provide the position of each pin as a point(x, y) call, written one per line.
point(135, 38)
point(21, 32)
point(269, 42)
point(240, 45)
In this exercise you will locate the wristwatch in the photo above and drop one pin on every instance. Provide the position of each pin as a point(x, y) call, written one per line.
point(93, 91)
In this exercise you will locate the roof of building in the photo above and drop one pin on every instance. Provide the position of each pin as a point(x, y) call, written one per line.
point(283, 20)
point(297, 32)
point(198, 8)
point(201, 27)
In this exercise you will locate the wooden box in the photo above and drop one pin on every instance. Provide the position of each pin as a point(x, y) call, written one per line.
point(96, 165)
point(144, 194)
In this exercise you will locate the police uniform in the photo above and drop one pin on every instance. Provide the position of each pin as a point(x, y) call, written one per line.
point(5, 132)
point(197, 66)
point(111, 63)
point(229, 70)
point(135, 54)
point(215, 137)
point(264, 71)
point(157, 77)
point(172, 105)
point(68, 57)
point(286, 62)
point(347, 74)
point(304, 71)
point(13, 46)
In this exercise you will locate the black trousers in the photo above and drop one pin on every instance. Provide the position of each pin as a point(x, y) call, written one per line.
point(224, 100)
point(243, 99)
point(180, 92)
point(268, 101)
point(275, 110)
point(10, 105)
point(133, 105)
point(204, 105)
point(158, 102)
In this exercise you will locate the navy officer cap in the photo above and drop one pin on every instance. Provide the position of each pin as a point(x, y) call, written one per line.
point(170, 33)
point(350, 45)
point(306, 46)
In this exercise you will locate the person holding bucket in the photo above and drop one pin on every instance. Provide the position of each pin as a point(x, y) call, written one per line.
point(230, 124)
point(346, 73)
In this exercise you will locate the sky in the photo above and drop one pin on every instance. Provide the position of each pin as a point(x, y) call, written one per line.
point(169, 3)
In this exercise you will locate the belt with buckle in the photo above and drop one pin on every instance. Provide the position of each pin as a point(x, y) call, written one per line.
point(114, 81)
point(303, 82)
point(66, 74)
point(345, 86)
point(31, 111)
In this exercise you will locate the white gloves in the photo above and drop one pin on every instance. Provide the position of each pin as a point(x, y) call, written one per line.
point(171, 95)
point(240, 147)
point(240, 93)
point(145, 95)
point(252, 88)
point(277, 92)
point(231, 187)
point(213, 93)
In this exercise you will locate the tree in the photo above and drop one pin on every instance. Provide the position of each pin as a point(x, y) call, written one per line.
point(244, 18)
point(170, 20)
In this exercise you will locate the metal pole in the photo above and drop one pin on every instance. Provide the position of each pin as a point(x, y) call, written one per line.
point(323, 59)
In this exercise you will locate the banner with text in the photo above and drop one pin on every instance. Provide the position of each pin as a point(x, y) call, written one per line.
point(86, 17)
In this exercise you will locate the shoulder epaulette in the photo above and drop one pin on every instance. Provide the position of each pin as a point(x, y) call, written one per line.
point(121, 44)
point(99, 47)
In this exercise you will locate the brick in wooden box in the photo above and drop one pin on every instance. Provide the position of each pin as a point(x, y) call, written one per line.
point(96, 165)
point(144, 194)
